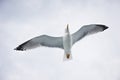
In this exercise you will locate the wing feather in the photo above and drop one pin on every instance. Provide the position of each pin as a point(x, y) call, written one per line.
point(87, 30)
point(43, 40)
point(49, 41)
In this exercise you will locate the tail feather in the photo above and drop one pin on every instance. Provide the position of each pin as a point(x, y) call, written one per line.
point(67, 57)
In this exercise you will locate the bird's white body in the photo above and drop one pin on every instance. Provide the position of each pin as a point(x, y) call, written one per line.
point(67, 44)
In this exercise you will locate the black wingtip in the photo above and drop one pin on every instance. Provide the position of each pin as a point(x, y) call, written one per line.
point(103, 26)
point(19, 48)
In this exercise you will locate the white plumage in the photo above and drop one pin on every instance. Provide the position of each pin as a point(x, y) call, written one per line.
point(67, 44)
point(64, 42)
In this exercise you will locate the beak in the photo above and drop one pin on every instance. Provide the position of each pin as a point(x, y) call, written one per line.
point(67, 27)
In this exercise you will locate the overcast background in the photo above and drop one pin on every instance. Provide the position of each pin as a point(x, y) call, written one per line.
point(96, 57)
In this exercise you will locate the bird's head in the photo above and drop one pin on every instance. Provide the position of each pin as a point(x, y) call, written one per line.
point(67, 29)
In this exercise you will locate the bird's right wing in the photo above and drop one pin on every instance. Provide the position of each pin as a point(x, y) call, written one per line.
point(87, 30)
point(42, 40)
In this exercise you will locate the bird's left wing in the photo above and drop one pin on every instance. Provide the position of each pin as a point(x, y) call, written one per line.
point(43, 40)
point(87, 30)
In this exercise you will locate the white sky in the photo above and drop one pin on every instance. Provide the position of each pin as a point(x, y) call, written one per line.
point(96, 57)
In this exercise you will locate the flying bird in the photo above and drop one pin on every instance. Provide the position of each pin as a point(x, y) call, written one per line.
point(65, 42)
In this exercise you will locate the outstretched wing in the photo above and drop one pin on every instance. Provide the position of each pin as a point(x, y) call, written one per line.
point(42, 40)
point(87, 30)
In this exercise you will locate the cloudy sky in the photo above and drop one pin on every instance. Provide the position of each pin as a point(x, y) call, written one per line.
point(96, 57)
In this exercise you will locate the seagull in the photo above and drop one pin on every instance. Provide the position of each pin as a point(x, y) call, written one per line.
point(65, 42)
